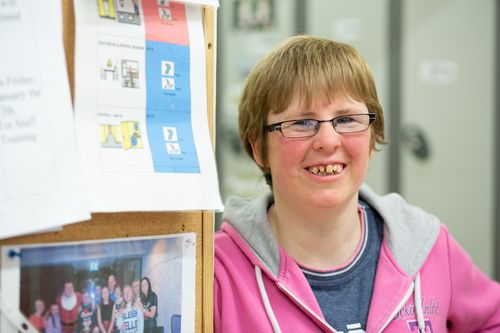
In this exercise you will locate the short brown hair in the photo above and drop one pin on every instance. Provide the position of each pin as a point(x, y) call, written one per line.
point(311, 66)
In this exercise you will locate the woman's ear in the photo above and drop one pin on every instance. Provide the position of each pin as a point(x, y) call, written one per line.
point(256, 152)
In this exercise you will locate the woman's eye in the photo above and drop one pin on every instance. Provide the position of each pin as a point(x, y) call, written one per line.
point(304, 123)
point(345, 120)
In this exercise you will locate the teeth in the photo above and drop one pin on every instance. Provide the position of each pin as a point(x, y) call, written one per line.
point(327, 170)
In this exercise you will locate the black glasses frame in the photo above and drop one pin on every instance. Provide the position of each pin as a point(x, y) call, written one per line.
point(333, 121)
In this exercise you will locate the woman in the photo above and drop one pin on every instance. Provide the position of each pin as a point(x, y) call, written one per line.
point(129, 318)
point(37, 318)
point(322, 252)
point(117, 307)
point(111, 287)
point(105, 312)
point(150, 304)
point(53, 320)
point(136, 290)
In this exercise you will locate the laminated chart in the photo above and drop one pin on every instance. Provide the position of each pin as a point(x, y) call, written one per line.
point(140, 106)
point(38, 154)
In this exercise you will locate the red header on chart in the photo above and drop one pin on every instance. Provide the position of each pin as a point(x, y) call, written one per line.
point(166, 22)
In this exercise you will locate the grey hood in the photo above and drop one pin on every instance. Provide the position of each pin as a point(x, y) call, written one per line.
point(410, 232)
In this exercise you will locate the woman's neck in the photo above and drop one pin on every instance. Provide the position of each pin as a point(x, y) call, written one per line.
point(320, 240)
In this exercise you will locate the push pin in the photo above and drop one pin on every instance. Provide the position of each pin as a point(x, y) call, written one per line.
point(14, 253)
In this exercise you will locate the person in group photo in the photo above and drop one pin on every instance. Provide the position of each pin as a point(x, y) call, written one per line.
point(69, 303)
point(150, 305)
point(105, 310)
point(87, 316)
point(111, 286)
point(136, 289)
point(96, 296)
point(116, 308)
point(129, 318)
point(320, 251)
point(53, 320)
point(37, 318)
point(118, 297)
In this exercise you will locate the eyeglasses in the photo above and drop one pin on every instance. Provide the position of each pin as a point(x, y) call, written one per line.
point(303, 128)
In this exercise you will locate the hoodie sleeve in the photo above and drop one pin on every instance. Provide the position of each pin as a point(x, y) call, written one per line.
point(475, 298)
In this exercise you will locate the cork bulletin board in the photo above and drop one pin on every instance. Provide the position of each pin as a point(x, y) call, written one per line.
point(141, 224)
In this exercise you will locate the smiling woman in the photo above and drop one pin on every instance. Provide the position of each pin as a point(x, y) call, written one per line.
point(321, 252)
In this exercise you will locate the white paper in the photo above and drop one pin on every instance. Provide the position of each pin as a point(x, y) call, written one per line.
point(40, 183)
point(140, 106)
point(40, 271)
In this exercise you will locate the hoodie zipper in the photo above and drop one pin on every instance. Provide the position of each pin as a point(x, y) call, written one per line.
point(331, 329)
point(305, 307)
point(399, 306)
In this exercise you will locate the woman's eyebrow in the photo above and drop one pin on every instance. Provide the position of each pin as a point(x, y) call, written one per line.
point(343, 112)
point(336, 113)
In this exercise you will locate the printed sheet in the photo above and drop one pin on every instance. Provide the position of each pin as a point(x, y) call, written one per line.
point(140, 105)
point(40, 183)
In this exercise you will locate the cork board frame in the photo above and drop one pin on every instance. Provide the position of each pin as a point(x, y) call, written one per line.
point(141, 224)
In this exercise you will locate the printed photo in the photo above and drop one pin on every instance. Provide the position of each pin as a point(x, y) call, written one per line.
point(126, 286)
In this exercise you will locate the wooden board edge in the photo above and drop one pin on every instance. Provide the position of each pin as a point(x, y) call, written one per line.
point(210, 28)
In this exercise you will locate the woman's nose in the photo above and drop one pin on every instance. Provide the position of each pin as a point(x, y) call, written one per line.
point(326, 138)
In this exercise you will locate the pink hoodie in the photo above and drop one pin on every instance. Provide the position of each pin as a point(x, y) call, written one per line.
point(425, 282)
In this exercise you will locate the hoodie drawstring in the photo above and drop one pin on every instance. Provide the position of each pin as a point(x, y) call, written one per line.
point(265, 299)
point(418, 305)
point(274, 322)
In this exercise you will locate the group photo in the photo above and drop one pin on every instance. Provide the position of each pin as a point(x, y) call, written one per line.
point(106, 287)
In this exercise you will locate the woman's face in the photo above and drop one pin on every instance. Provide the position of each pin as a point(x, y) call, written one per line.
point(39, 306)
point(127, 294)
point(144, 287)
point(118, 292)
point(54, 309)
point(105, 293)
point(136, 287)
point(293, 161)
point(111, 282)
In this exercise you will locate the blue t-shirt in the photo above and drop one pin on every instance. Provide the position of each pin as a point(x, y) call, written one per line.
point(344, 295)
